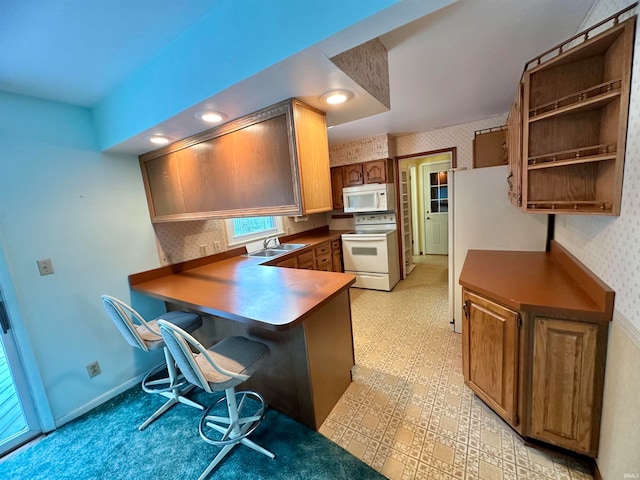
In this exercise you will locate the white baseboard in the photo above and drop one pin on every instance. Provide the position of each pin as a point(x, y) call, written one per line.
point(628, 327)
point(98, 400)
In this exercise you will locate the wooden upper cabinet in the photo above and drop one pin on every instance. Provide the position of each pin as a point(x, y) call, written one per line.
point(336, 188)
point(272, 162)
point(490, 337)
point(352, 175)
point(310, 129)
point(574, 129)
point(490, 147)
point(375, 171)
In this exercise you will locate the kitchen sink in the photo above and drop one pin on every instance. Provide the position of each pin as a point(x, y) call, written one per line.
point(289, 246)
point(270, 252)
point(278, 250)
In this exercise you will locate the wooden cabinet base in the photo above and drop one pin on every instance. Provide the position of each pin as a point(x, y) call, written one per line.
point(536, 355)
point(310, 365)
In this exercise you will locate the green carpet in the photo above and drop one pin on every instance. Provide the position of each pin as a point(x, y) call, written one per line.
point(106, 444)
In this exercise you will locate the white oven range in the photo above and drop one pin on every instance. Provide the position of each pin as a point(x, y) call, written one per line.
point(371, 251)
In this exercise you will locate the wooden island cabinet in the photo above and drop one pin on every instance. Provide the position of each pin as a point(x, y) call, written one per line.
point(534, 339)
point(302, 314)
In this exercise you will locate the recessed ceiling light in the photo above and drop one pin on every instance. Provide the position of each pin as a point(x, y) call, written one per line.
point(211, 117)
point(335, 97)
point(159, 139)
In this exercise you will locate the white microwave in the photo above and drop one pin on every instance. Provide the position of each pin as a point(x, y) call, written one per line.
point(374, 197)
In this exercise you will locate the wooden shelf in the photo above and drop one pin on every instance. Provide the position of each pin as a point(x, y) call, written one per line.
point(590, 98)
point(586, 206)
point(596, 153)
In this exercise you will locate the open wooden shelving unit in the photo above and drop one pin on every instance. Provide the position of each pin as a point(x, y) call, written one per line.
point(575, 101)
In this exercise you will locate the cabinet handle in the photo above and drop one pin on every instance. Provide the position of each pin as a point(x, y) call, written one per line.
point(465, 308)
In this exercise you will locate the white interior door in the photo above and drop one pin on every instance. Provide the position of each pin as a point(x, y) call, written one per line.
point(436, 208)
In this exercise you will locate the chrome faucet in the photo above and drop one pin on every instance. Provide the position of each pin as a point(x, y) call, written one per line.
point(265, 243)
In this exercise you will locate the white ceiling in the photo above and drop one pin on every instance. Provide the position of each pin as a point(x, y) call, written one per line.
point(456, 65)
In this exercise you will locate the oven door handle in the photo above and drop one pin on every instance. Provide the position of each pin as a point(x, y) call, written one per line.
point(365, 238)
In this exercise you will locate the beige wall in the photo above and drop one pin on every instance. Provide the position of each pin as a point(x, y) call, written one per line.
point(620, 430)
point(459, 136)
point(610, 247)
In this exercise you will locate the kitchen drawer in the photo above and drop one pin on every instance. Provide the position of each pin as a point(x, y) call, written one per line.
point(335, 245)
point(323, 261)
point(324, 249)
point(325, 268)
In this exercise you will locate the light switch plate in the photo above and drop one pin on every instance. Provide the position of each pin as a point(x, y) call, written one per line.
point(45, 266)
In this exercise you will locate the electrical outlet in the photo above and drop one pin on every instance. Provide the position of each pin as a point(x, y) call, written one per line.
point(45, 267)
point(203, 250)
point(217, 247)
point(93, 369)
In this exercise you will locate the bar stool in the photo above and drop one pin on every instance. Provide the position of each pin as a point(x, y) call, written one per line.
point(164, 379)
point(223, 366)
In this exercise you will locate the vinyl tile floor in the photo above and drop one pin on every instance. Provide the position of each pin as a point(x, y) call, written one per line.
point(407, 412)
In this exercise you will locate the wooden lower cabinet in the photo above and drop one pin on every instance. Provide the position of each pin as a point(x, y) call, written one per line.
point(490, 359)
point(543, 375)
point(336, 256)
point(326, 256)
point(564, 383)
point(305, 260)
point(323, 257)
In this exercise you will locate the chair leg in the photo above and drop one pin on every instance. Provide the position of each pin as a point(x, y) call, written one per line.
point(175, 395)
point(237, 429)
point(223, 453)
point(166, 406)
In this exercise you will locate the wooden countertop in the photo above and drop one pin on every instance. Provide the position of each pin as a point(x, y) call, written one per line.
point(544, 282)
point(241, 288)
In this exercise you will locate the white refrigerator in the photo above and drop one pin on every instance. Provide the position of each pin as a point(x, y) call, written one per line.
point(481, 217)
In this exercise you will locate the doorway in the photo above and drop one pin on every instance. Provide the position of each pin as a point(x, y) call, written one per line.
point(429, 204)
point(18, 419)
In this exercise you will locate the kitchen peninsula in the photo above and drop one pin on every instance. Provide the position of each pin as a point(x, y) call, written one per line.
point(304, 317)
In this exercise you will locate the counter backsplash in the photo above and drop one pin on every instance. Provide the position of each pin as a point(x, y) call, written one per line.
point(182, 241)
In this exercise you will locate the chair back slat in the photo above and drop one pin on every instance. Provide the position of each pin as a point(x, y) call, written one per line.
point(178, 342)
point(123, 317)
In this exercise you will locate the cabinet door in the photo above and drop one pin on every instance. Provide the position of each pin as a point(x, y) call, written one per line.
point(352, 175)
point(306, 260)
point(564, 358)
point(375, 171)
point(336, 256)
point(490, 354)
point(288, 263)
point(336, 188)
